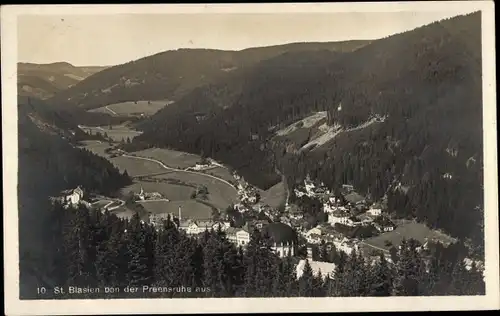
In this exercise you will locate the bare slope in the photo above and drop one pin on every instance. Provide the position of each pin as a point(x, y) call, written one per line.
point(45, 80)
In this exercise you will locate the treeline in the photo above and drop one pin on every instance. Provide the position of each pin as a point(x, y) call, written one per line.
point(97, 249)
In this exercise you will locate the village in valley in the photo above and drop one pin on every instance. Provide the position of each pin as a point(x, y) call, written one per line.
point(351, 222)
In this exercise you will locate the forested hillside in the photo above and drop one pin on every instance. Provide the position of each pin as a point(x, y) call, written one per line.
point(47, 164)
point(45, 80)
point(101, 250)
point(424, 88)
point(173, 74)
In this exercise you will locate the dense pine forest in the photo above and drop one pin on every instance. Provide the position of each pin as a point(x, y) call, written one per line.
point(48, 164)
point(424, 154)
point(98, 250)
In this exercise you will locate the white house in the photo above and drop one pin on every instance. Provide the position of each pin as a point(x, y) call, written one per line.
point(316, 230)
point(299, 193)
point(73, 197)
point(310, 189)
point(329, 207)
point(338, 216)
point(375, 210)
point(345, 245)
point(192, 227)
point(238, 236)
point(313, 235)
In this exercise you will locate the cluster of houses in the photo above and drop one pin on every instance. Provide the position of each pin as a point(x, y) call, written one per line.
point(145, 196)
point(283, 237)
point(350, 217)
point(204, 164)
point(248, 195)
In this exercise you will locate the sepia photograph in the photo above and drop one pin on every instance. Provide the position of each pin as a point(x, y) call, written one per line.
point(249, 158)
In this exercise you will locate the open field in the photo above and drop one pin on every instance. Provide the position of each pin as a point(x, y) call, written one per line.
point(408, 230)
point(170, 191)
point(96, 146)
point(171, 158)
point(190, 208)
point(222, 173)
point(136, 167)
point(116, 132)
point(133, 108)
point(274, 196)
point(220, 194)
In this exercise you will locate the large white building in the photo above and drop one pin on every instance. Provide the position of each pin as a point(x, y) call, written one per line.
point(73, 197)
point(195, 227)
point(326, 268)
point(238, 236)
point(338, 216)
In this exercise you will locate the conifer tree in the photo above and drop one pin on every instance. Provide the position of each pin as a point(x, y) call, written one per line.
point(307, 281)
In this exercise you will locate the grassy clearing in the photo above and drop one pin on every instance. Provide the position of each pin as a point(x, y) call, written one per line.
point(274, 196)
point(406, 231)
point(170, 191)
point(171, 158)
point(306, 123)
point(133, 108)
point(220, 194)
point(136, 167)
point(116, 132)
point(97, 147)
point(222, 173)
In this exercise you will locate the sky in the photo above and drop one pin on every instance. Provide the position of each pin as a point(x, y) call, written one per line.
point(112, 39)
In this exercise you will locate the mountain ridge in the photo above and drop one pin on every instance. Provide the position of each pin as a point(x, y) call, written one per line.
point(173, 74)
point(424, 83)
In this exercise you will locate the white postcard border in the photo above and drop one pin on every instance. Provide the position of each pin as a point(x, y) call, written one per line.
point(14, 306)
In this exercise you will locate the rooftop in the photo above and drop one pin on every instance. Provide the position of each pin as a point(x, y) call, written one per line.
point(280, 233)
point(354, 197)
point(326, 268)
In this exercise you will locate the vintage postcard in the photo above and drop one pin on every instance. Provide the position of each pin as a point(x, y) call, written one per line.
point(249, 158)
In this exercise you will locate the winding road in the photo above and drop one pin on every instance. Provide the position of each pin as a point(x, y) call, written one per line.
point(181, 170)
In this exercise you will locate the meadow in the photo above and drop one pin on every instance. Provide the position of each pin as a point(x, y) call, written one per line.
point(147, 108)
point(117, 133)
point(220, 194)
point(413, 230)
point(170, 158)
point(222, 173)
point(136, 167)
point(172, 192)
point(275, 196)
point(96, 146)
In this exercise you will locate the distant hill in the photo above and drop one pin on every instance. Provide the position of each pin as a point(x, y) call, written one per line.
point(172, 74)
point(402, 119)
point(45, 80)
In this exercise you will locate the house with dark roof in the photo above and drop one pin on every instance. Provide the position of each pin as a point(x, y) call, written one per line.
point(283, 237)
point(383, 224)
